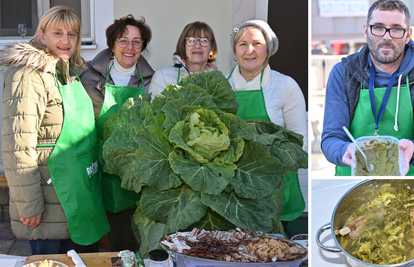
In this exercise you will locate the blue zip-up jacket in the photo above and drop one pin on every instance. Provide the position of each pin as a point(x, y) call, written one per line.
point(342, 95)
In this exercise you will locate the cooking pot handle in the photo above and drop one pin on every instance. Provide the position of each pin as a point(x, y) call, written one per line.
point(318, 241)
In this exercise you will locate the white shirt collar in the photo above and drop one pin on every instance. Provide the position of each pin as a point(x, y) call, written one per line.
point(240, 84)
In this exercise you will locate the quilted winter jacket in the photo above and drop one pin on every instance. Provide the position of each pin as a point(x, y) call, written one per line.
point(32, 114)
point(94, 78)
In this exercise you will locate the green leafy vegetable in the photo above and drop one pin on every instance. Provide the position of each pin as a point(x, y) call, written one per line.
point(386, 226)
point(196, 163)
point(202, 134)
point(149, 231)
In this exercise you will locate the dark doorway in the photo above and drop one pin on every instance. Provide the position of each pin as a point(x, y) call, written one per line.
point(289, 20)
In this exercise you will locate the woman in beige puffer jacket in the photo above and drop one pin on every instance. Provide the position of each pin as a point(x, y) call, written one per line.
point(33, 114)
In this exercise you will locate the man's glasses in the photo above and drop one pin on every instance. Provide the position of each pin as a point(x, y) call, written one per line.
point(124, 42)
point(380, 31)
point(192, 41)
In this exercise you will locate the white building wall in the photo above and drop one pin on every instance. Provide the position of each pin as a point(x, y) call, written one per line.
point(167, 19)
point(104, 16)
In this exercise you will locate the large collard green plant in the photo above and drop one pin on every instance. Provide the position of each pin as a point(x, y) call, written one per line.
point(196, 163)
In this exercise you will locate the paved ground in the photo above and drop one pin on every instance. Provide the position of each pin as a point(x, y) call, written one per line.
point(9, 245)
point(319, 166)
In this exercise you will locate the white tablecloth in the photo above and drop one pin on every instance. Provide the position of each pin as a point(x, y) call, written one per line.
point(325, 195)
point(11, 261)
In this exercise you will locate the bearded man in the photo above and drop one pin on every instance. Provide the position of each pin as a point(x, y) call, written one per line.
point(371, 92)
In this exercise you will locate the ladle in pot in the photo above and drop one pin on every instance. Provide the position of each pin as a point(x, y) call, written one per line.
point(370, 166)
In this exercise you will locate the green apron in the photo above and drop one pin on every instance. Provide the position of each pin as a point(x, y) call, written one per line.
point(115, 198)
point(252, 106)
point(364, 116)
point(73, 167)
point(179, 66)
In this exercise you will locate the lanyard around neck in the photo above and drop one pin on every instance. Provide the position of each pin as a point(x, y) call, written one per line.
point(385, 98)
point(179, 66)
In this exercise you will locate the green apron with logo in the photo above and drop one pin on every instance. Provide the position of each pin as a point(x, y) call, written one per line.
point(252, 106)
point(364, 116)
point(115, 198)
point(73, 167)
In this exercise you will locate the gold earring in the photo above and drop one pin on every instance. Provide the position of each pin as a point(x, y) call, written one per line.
point(235, 59)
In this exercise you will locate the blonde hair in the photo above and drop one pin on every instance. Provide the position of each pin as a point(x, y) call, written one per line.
point(51, 19)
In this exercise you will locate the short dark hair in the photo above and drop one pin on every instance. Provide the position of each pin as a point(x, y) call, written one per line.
point(390, 5)
point(118, 28)
point(194, 29)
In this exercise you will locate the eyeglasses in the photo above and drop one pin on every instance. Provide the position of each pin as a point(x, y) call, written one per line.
point(124, 42)
point(192, 41)
point(396, 33)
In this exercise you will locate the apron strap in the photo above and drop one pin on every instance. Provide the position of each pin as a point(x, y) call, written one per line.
point(57, 80)
point(142, 79)
point(42, 145)
point(179, 66)
point(74, 73)
point(385, 98)
point(109, 71)
point(231, 72)
point(261, 76)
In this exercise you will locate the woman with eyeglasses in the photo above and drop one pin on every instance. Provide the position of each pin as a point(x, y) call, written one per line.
point(265, 94)
point(48, 151)
point(196, 50)
point(114, 75)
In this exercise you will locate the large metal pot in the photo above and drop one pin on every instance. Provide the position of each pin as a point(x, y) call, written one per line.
point(351, 200)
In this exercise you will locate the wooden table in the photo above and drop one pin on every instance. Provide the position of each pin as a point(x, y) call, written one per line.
point(102, 259)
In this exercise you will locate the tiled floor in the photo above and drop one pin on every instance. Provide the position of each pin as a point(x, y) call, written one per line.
point(9, 245)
